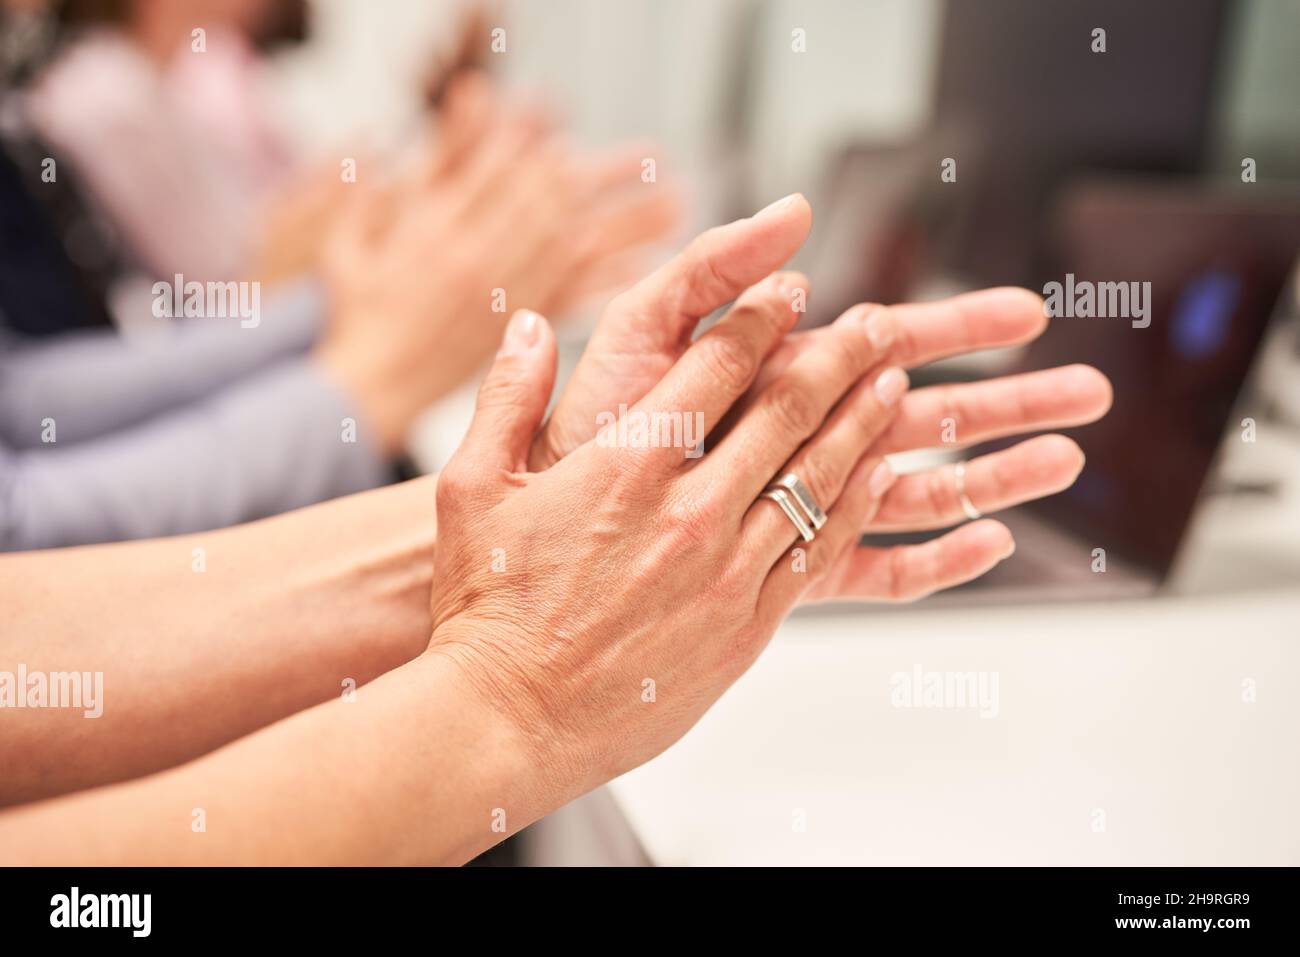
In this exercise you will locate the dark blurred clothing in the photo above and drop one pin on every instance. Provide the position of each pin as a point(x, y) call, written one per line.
point(198, 426)
point(42, 290)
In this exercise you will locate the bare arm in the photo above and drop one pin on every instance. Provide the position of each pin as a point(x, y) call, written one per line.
point(413, 771)
point(203, 638)
point(502, 722)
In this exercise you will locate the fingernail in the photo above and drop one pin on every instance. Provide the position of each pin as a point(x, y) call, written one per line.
point(880, 329)
point(882, 477)
point(521, 332)
point(891, 385)
point(1010, 550)
point(782, 203)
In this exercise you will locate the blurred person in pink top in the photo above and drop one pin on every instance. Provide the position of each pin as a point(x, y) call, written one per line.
point(158, 105)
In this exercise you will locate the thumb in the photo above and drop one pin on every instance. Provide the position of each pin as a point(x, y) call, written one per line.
point(513, 396)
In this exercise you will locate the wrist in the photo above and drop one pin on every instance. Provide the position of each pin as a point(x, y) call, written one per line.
point(559, 764)
point(365, 583)
point(486, 774)
point(375, 385)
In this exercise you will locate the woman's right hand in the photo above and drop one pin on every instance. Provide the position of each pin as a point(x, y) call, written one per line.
point(603, 604)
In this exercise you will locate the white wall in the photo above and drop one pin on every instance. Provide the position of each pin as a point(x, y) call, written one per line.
point(667, 69)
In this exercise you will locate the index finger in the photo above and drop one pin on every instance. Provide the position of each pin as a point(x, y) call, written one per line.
point(927, 331)
point(719, 366)
point(660, 312)
point(986, 319)
point(645, 330)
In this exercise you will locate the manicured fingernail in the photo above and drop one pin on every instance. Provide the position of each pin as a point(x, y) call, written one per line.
point(782, 203)
point(891, 385)
point(880, 329)
point(882, 477)
point(521, 332)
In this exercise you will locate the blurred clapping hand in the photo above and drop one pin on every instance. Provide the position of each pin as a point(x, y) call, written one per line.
point(423, 271)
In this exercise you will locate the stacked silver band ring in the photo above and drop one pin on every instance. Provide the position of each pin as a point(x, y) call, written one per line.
point(798, 504)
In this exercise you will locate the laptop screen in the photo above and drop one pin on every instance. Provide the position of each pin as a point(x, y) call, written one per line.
point(1168, 291)
point(1032, 104)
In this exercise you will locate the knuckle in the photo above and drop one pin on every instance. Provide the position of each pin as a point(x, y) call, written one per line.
point(941, 491)
point(868, 419)
point(729, 360)
point(1001, 481)
point(848, 347)
point(694, 274)
point(710, 273)
point(953, 406)
point(629, 467)
point(692, 520)
point(792, 410)
point(771, 310)
point(896, 577)
point(501, 389)
point(458, 484)
point(820, 475)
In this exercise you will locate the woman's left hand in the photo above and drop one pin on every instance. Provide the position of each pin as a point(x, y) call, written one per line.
point(642, 332)
point(560, 593)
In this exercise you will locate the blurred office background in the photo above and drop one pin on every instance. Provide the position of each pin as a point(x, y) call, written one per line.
point(1128, 738)
point(696, 76)
point(1133, 708)
point(1127, 165)
point(856, 104)
point(861, 119)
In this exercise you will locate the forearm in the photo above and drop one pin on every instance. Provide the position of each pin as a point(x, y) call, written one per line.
point(416, 770)
point(204, 638)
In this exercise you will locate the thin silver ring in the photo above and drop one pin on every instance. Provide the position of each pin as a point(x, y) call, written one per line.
point(959, 480)
point(798, 503)
point(786, 501)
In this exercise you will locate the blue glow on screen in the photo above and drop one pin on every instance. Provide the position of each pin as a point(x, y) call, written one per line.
point(1092, 489)
point(1203, 314)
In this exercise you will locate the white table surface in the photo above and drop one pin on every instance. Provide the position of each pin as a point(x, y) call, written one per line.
point(1124, 714)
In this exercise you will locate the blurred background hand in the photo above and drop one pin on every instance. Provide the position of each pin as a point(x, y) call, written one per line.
point(505, 214)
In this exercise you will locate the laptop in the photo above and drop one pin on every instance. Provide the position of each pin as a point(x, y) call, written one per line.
point(892, 226)
point(1222, 267)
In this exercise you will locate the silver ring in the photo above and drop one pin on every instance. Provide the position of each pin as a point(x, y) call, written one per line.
point(790, 482)
point(798, 504)
point(959, 480)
